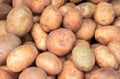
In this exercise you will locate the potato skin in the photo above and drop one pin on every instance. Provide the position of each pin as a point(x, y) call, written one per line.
point(75, 1)
point(19, 21)
point(70, 71)
point(83, 42)
point(57, 3)
point(98, 1)
point(3, 27)
point(51, 18)
point(33, 73)
point(49, 62)
point(83, 57)
point(117, 22)
point(22, 56)
point(104, 57)
point(60, 41)
point(16, 3)
point(6, 1)
point(7, 43)
point(104, 13)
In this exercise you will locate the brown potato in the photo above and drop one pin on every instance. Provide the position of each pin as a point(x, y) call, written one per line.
point(49, 62)
point(104, 73)
point(33, 73)
point(72, 22)
point(83, 42)
point(39, 36)
point(107, 33)
point(21, 57)
point(7, 43)
point(98, 1)
point(104, 13)
point(104, 57)
point(83, 57)
point(50, 19)
point(30, 43)
point(75, 1)
point(60, 41)
point(70, 4)
point(50, 77)
point(57, 3)
point(69, 71)
point(87, 29)
point(2, 27)
point(16, 3)
point(117, 22)
point(19, 21)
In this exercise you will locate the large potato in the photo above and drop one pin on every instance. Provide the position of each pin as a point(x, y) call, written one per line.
point(60, 41)
point(107, 33)
point(3, 27)
point(19, 21)
point(7, 43)
point(49, 62)
point(21, 57)
point(104, 57)
point(87, 29)
point(104, 13)
point(69, 71)
point(83, 57)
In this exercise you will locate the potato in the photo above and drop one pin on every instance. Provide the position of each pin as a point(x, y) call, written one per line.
point(36, 19)
point(70, 4)
point(69, 71)
point(93, 46)
point(49, 62)
point(19, 21)
point(83, 57)
point(83, 42)
point(98, 1)
point(104, 13)
point(72, 22)
point(50, 19)
point(33, 73)
point(50, 77)
point(7, 43)
point(75, 1)
point(86, 9)
point(5, 75)
point(16, 3)
point(37, 6)
point(57, 3)
point(114, 47)
point(6, 1)
point(2, 27)
point(117, 22)
point(60, 41)
point(104, 57)
point(21, 57)
point(29, 43)
point(39, 36)
point(104, 73)
point(107, 33)
point(87, 29)
point(4, 10)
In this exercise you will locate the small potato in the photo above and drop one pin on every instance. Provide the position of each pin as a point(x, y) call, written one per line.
point(50, 19)
point(104, 57)
point(104, 73)
point(117, 22)
point(5, 75)
point(33, 73)
point(60, 41)
point(21, 57)
point(83, 57)
point(72, 22)
point(114, 47)
point(4, 10)
point(16, 3)
point(2, 27)
point(37, 6)
point(57, 3)
point(87, 29)
point(69, 71)
point(39, 36)
point(50, 77)
point(104, 13)
point(98, 1)
point(83, 42)
point(107, 33)
point(36, 19)
point(75, 1)
point(7, 43)
point(19, 21)
point(49, 62)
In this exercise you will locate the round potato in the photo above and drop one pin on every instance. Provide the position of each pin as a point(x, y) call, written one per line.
point(60, 41)
point(98, 1)
point(75, 1)
point(50, 19)
point(7, 43)
point(72, 22)
point(69, 71)
point(117, 22)
point(33, 73)
point(49, 62)
point(104, 57)
point(21, 57)
point(3, 30)
point(19, 21)
point(104, 13)
point(57, 3)
point(83, 57)
point(87, 29)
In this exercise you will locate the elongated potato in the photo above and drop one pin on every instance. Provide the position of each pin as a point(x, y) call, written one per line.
point(3, 30)
point(69, 71)
point(21, 57)
point(39, 36)
point(104, 57)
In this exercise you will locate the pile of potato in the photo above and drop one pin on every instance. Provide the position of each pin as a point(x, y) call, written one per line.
point(59, 39)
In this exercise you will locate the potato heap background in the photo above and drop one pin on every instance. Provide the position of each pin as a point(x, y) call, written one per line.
point(59, 39)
